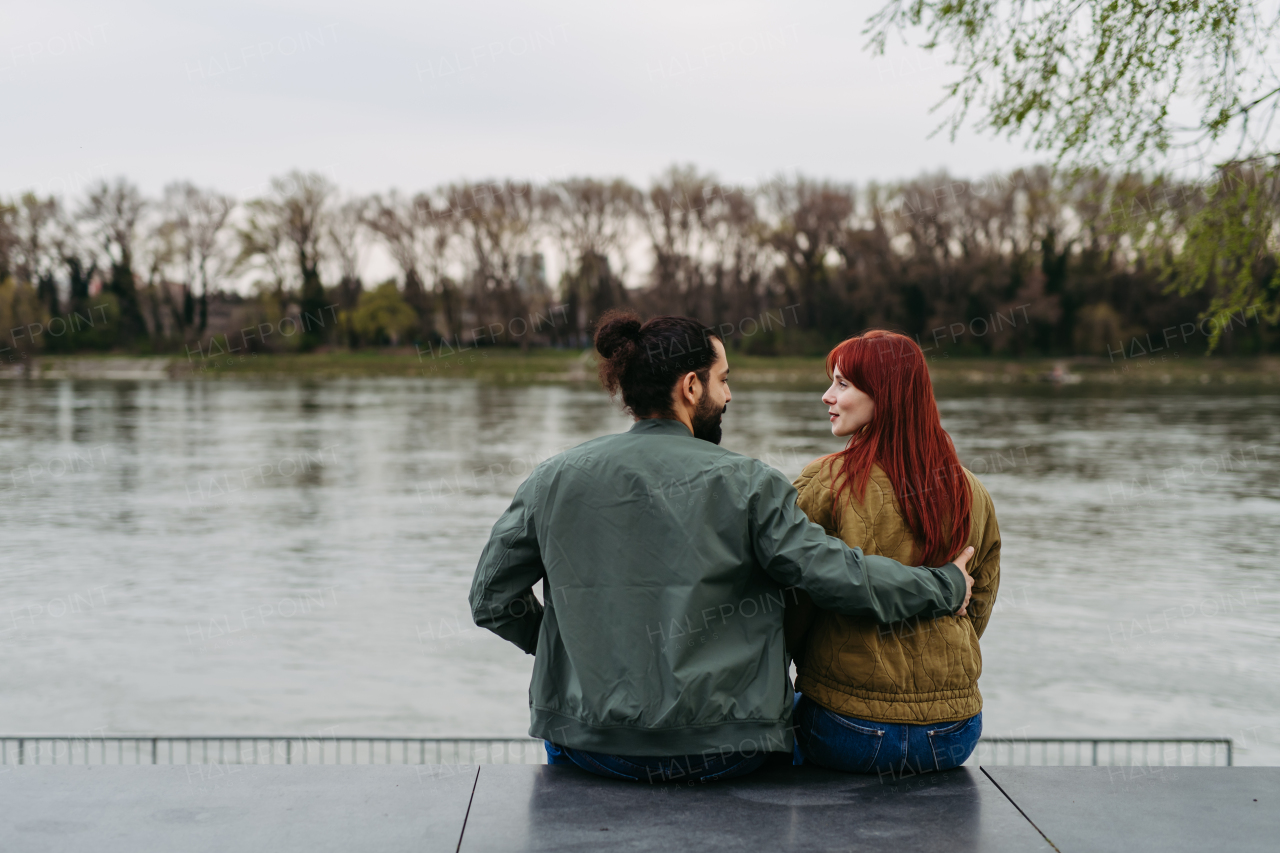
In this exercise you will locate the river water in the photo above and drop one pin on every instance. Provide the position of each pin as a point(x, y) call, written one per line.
point(294, 556)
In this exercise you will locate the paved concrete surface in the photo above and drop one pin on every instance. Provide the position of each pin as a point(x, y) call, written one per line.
point(237, 808)
point(802, 809)
point(1135, 809)
point(281, 809)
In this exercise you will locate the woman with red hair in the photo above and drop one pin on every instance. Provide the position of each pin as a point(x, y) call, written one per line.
point(899, 698)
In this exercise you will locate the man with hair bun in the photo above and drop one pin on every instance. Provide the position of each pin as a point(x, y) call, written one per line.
point(666, 562)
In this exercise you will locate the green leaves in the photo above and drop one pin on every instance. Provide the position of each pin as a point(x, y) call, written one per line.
point(383, 313)
point(1093, 80)
point(1230, 244)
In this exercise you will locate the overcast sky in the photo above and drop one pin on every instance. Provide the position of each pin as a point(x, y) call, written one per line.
point(382, 94)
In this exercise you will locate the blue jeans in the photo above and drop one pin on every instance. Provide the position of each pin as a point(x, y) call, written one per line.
point(680, 768)
point(888, 749)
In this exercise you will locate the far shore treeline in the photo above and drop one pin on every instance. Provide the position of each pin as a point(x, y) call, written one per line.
point(1028, 263)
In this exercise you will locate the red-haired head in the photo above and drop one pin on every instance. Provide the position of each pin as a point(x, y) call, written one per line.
point(898, 428)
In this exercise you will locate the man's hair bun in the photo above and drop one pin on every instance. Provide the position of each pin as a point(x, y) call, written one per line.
point(644, 360)
point(617, 329)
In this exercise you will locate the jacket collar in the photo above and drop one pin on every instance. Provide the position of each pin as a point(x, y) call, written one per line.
point(660, 426)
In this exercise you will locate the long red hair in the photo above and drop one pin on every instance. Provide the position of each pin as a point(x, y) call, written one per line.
point(906, 439)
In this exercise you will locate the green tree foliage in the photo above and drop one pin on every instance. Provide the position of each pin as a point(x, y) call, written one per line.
point(21, 318)
point(1095, 82)
point(383, 316)
point(93, 325)
point(1231, 244)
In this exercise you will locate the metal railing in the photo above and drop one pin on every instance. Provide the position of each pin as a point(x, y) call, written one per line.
point(265, 749)
point(302, 749)
point(1103, 752)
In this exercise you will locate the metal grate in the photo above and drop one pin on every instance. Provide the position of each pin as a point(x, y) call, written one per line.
point(300, 749)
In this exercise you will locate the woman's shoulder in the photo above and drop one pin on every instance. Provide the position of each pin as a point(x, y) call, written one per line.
point(817, 472)
point(822, 477)
point(813, 492)
point(979, 491)
point(981, 507)
point(814, 484)
point(825, 472)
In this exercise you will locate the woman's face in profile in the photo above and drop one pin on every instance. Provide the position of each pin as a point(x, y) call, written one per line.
point(848, 408)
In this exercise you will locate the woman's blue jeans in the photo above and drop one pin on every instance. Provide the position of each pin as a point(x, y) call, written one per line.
point(679, 768)
point(889, 749)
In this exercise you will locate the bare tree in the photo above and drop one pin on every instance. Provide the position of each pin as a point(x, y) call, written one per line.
point(811, 218)
point(591, 220)
point(78, 258)
point(589, 216)
point(741, 260)
point(344, 230)
point(19, 306)
point(8, 238)
point(158, 254)
point(677, 217)
point(416, 233)
point(113, 212)
point(265, 253)
point(497, 225)
point(35, 222)
point(199, 219)
point(291, 221)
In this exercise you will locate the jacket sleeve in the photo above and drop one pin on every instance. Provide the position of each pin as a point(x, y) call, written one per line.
point(502, 598)
point(985, 563)
point(799, 614)
point(796, 552)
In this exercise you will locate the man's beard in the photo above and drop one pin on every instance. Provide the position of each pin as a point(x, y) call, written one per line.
point(706, 420)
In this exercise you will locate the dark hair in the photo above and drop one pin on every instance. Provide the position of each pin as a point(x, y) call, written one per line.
point(644, 361)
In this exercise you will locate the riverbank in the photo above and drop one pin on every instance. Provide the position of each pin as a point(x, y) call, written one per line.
point(561, 366)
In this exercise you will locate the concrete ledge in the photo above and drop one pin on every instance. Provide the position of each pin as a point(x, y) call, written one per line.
point(192, 808)
point(793, 809)
point(232, 808)
point(1167, 809)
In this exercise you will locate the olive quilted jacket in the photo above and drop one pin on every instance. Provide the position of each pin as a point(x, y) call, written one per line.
point(918, 671)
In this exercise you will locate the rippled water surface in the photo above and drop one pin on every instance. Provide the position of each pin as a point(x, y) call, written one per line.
point(290, 556)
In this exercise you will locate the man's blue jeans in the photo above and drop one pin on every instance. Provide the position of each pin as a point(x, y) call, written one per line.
point(680, 768)
point(889, 749)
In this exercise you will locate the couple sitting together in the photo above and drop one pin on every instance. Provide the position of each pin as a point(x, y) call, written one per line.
point(680, 580)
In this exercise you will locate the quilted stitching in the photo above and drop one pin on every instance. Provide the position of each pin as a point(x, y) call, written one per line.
point(919, 671)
